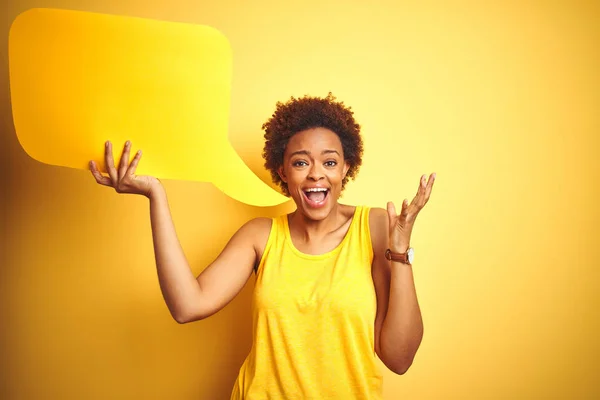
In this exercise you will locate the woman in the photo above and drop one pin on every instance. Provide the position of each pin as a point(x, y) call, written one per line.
point(334, 283)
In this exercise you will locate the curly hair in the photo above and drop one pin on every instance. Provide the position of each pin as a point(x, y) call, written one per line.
point(308, 112)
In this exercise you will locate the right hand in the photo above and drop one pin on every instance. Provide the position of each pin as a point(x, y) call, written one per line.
point(124, 179)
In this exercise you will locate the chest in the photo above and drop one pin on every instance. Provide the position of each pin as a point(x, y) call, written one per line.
point(338, 285)
point(320, 245)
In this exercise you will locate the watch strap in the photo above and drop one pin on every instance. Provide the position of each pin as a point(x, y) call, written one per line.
point(398, 257)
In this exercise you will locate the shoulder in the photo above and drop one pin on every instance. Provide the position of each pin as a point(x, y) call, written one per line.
point(252, 236)
point(378, 219)
point(378, 226)
point(378, 215)
point(256, 227)
point(254, 232)
point(259, 223)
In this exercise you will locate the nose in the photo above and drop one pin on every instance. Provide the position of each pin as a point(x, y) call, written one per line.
point(316, 172)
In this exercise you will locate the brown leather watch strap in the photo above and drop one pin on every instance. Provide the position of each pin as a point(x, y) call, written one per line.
point(399, 257)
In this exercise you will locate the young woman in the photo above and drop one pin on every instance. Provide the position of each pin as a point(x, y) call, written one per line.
point(334, 283)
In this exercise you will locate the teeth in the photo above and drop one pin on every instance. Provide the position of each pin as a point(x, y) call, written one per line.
point(316, 190)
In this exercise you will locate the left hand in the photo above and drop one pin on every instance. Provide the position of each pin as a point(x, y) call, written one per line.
point(401, 225)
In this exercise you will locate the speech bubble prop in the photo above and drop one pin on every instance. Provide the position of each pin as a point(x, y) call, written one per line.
point(78, 79)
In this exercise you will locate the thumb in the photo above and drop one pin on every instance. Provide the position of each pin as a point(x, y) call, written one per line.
point(391, 210)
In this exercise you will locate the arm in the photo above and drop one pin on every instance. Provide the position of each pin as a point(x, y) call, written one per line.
point(189, 298)
point(398, 324)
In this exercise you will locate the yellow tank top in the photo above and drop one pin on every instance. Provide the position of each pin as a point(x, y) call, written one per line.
point(313, 321)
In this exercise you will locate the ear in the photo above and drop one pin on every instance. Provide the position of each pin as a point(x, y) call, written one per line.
point(281, 174)
point(346, 168)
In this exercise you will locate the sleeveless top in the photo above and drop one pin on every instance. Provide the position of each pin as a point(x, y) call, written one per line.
point(313, 321)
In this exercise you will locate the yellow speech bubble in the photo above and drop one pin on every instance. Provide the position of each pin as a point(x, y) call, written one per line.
point(78, 79)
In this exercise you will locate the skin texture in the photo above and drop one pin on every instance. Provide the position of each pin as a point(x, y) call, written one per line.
point(313, 157)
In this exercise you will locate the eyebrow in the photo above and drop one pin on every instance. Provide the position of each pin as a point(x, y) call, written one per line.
point(306, 152)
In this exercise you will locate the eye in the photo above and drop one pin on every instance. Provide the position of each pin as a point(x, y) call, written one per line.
point(300, 163)
point(331, 163)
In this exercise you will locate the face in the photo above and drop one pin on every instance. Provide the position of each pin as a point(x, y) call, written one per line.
point(313, 168)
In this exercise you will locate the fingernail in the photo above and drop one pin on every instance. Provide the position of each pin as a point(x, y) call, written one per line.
point(434, 175)
point(127, 143)
point(106, 144)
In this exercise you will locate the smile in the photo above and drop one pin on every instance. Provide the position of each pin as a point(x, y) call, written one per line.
point(316, 197)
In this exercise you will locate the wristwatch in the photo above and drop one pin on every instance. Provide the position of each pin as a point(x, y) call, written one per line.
point(404, 258)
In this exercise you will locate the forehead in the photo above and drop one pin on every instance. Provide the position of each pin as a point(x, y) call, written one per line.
point(314, 140)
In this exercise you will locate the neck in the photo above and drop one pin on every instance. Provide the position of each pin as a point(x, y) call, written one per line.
point(309, 228)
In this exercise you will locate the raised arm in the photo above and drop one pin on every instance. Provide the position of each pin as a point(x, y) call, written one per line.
point(188, 298)
point(398, 324)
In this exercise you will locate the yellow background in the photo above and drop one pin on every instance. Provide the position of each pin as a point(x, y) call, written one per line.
point(76, 77)
point(501, 99)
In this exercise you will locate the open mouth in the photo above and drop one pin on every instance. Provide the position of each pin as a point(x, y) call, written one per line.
point(316, 197)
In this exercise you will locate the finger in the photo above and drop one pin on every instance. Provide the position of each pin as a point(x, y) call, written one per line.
point(422, 185)
point(134, 163)
point(404, 211)
point(420, 198)
point(124, 160)
point(420, 190)
point(110, 164)
point(429, 186)
point(101, 179)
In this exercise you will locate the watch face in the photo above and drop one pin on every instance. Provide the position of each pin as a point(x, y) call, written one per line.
point(411, 255)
